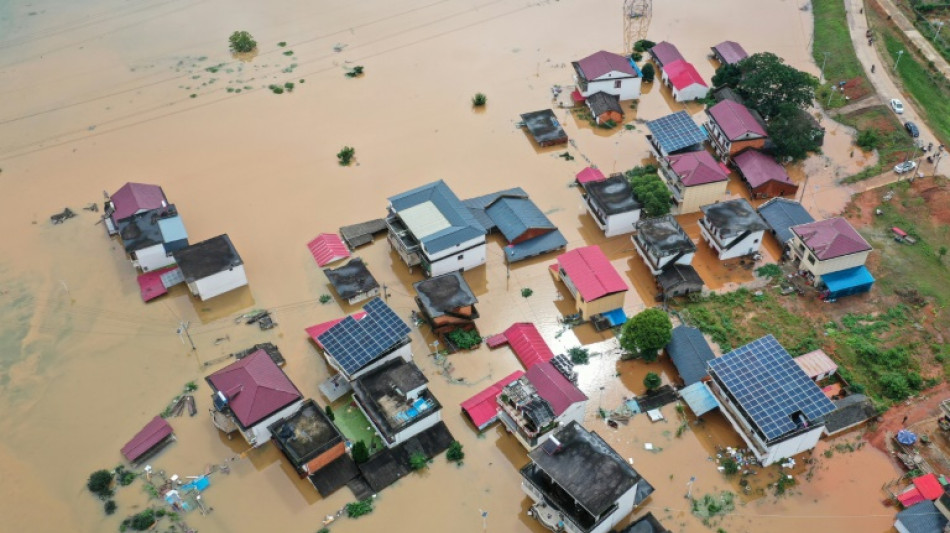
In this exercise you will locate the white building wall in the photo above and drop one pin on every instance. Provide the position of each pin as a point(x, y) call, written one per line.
point(258, 434)
point(575, 413)
point(220, 283)
point(417, 428)
point(152, 258)
point(463, 256)
point(629, 87)
point(691, 92)
point(826, 266)
point(749, 245)
point(620, 223)
point(792, 447)
point(405, 352)
point(624, 508)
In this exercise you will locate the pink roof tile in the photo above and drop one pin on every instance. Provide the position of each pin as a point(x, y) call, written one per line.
point(315, 331)
point(327, 248)
point(483, 407)
point(496, 340)
point(735, 120)
point(602, 63)
point(132, 197)
point(150, 283)
point(929, 486)
point(910, 497)
point(731, 52)
point(683, 74)
point(591, 272)
point(831, 238)
point(759, 169)
point(256, 388)
point(153, 433)
point(590, 174)
point(697, 168)
point(554, 387)
point(665, 53)
point(526, 341)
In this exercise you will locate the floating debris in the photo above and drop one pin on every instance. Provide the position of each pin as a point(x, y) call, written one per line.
point(59, 218)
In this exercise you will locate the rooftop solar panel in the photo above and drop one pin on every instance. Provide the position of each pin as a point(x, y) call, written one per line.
point(770, 386)
point(354, 344)
point(675, 132)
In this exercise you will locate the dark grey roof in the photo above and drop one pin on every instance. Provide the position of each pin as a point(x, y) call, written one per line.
point(544, 126)
point(587, 468)
point(770, 387)
point(676, 275)
point(333, 476)
point(353, 344)
point(613, 195)
point(849, 411)
point(351, 279)
point(444, 293)
point(142, 230)
point(663, 236)
point(463, 226)
point(733, 217)
point(538, 411)
point(781, 214)
point(478, 204)
point(601, 102)
point(206, 258)
point(515, 216)
point(923, 517)
point(306, 434)
point(646, 524)
point(676, 132)
point(382, 395)
point(689, 352)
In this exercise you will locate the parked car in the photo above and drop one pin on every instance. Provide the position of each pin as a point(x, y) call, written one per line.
point(906, 166)
point(897, 106)
point(912, 129)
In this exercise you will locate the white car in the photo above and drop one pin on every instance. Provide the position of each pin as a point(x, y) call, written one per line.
point(906, 166)
point(897, 106)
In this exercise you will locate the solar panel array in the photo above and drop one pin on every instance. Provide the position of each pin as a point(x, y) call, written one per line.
point(356, 343)
point(770, 386)
point(675, 132)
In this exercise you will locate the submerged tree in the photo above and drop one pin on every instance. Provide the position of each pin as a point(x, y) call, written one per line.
point(652, 381)
point(455, 453)
point(242, 42)
point(644, 334)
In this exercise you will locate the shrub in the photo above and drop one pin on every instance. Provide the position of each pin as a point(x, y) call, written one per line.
point(643, 45)
point(124, 477)
point(289, 86)
point(646, 332)
point(329, 411)
point(109, 507)
point(636, 56)
point(652, 381)
point(770, 270)
point(608, 124)
point(464, 339)
point(100, 483)
point(894, 386)
point(526, 292)
point(455, 453)
point(648, 73)
point(730, 466)
point(141, 521)
point(579, 355)
point(289, 53)
point(355, 71)
point(359, 452)
point(276, 89)
point(282, 44)
point(242, 42)
point(346, 155)
point(479, 100)
point(360, 508)
point(869, 139)
point(418, 461)
point(325, 298)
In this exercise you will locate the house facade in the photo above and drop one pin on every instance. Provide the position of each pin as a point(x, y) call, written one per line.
point(605, 108)
point(684, 80)
point(827, 246)
point(212, 267)
point(732, 229)
point(608, 73)
point(593, 282)
point(359, 344)
point(764, 177)
point(151, 237)
point(694, 179)
point(612, 205)
point(732, 129)
point(533, 406)
point(579, 484)
point(397, 402)
point(430, 227)
point(661, 242)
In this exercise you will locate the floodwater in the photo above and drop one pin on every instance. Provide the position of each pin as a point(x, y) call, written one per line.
point(98, 93)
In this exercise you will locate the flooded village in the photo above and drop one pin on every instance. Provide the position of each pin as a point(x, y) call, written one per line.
point(403, 266)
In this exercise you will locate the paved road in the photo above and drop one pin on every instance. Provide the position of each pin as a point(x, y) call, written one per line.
point(923, 45)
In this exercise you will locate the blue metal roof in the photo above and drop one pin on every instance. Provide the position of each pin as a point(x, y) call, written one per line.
point(770, 387)
point(846, 282)
point(781, 214)
point(699, 398)
point(463, 225)
point(923, 517)
point(689, 352)
point(675, 132)
point(478, 204)
point(616, 317)
point(515, 216)
point(353, 344)
point(542, 244)
point(173, 229)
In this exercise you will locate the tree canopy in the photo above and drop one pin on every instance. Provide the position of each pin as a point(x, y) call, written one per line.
point(652, 381)
point(794, 134)
point(767, 84)
point(646, 333)
point(650, 190)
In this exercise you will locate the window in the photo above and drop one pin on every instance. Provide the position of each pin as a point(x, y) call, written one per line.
point(617, 84)
point(811, 259)
point(461, 256)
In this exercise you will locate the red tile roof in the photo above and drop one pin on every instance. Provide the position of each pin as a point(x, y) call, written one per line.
point(730, 52)
point(929, 486)
point(910, 497)
point(256, 388)
point(591, 272)
point(150, 283)
point(665, 53)
point(134, 196)
point(602, 63)
point(526, 341)
point(315, 331)
point(683, 74)
point(831, 238)
point(735, 120)
point(554, 387)
point(759, 169)
point(590, 174)
point(483, 407)
point(153, 433)
point(496, 340)
point(697, 168)
point(327, 248)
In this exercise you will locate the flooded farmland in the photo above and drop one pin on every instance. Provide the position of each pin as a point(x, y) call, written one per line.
point(102, 92)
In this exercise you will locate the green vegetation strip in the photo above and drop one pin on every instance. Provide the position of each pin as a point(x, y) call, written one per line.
point(832, 36)
point(892, 143)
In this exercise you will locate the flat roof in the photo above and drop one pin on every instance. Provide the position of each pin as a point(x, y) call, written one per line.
point(664, 236)
point(613, 195)
point(382, 393)
point(351, 279)
point(207, 258)
point(445, 293)
point(306, 434)
point(733, 217)
point(544, 126)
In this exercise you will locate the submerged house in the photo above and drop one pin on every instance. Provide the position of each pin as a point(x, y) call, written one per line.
point(769, 400)
point(678, 280)
point(674, 134)
point(595, 284)
point(151, 237)
point(729, 52)
point(732, 229)
point(527, 229)
point(605, 108)
point(308, 439)
point(694, 179)
point(482, 408)
point(732, 128)
point(251, 394)
point(429, 226)
point(684, 80)
point(533, 406)
point(355, 346)
point(579, 484)
point(607, 73)
point(544, 127)
point(148, 441)
point(664, 53)
point(834, 253)
point(353, 281)
point(612, 205)
point(661, 242)
point(446, 303)
point(923, 517)
point(764, 177)
point(781, 214)
point(212, 267)
point(397, 402)
point(130, 199)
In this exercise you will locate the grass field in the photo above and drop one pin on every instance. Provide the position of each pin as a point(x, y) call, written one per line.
point(354, 425)
point(895, 145)
point(841, 64)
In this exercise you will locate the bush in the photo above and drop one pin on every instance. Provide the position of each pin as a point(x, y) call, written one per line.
point(359, 452)
point(289, 86)
point(355, 71)
point(894, 386)
point(360, 508)
point(636, 56)
point(455, 453)
point(652, 381)
point(579, 355)
point(730, 466)
point(346, 155)
point(526, 292)
point(141, 521)
point(646, 333)
point(109, 507)
point(648, 73)
point(869, 139)
point(643, 45)
point(418, 461)
point(770, 270)
point(242, 42)
point(124, 477)
point(465, 340)
point(608, 124)
point(479, 100)
point(329, 411)
point(100, 483)
point(325, 298)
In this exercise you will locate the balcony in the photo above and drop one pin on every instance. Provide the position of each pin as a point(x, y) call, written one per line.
point(554, 508)
point(647, 257)
point(711, 235)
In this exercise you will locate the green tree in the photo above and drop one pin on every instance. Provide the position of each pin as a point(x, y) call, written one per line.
point(652, 381)
point(650, 190)
point(727, 76)
point(360, 508)
point(109, 507)
point(100, 483)
point(242, 42)
point(769, 86)
point(894, 385)
point(793, 134)
point(646, 333)
point(455, 453)
point(579, 355)
point(359, 452)
point(345, 155)
point(648, 73)
point(942, 252)
point(418, 461)
point(479, 100)
point(869, 139)
point(329, 412)
point(643, 45)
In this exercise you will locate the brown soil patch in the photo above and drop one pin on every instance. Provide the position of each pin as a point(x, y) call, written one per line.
point(938, 200)
point(856, 89)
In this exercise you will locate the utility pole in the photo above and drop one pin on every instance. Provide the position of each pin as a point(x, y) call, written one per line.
point(900, 54)
point(825, 60)
point(939, 24)
point(183, 328)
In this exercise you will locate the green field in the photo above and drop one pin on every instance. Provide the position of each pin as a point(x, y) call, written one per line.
point(832, 36)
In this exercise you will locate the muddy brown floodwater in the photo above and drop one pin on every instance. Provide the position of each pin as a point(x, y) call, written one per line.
point(102, 92)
